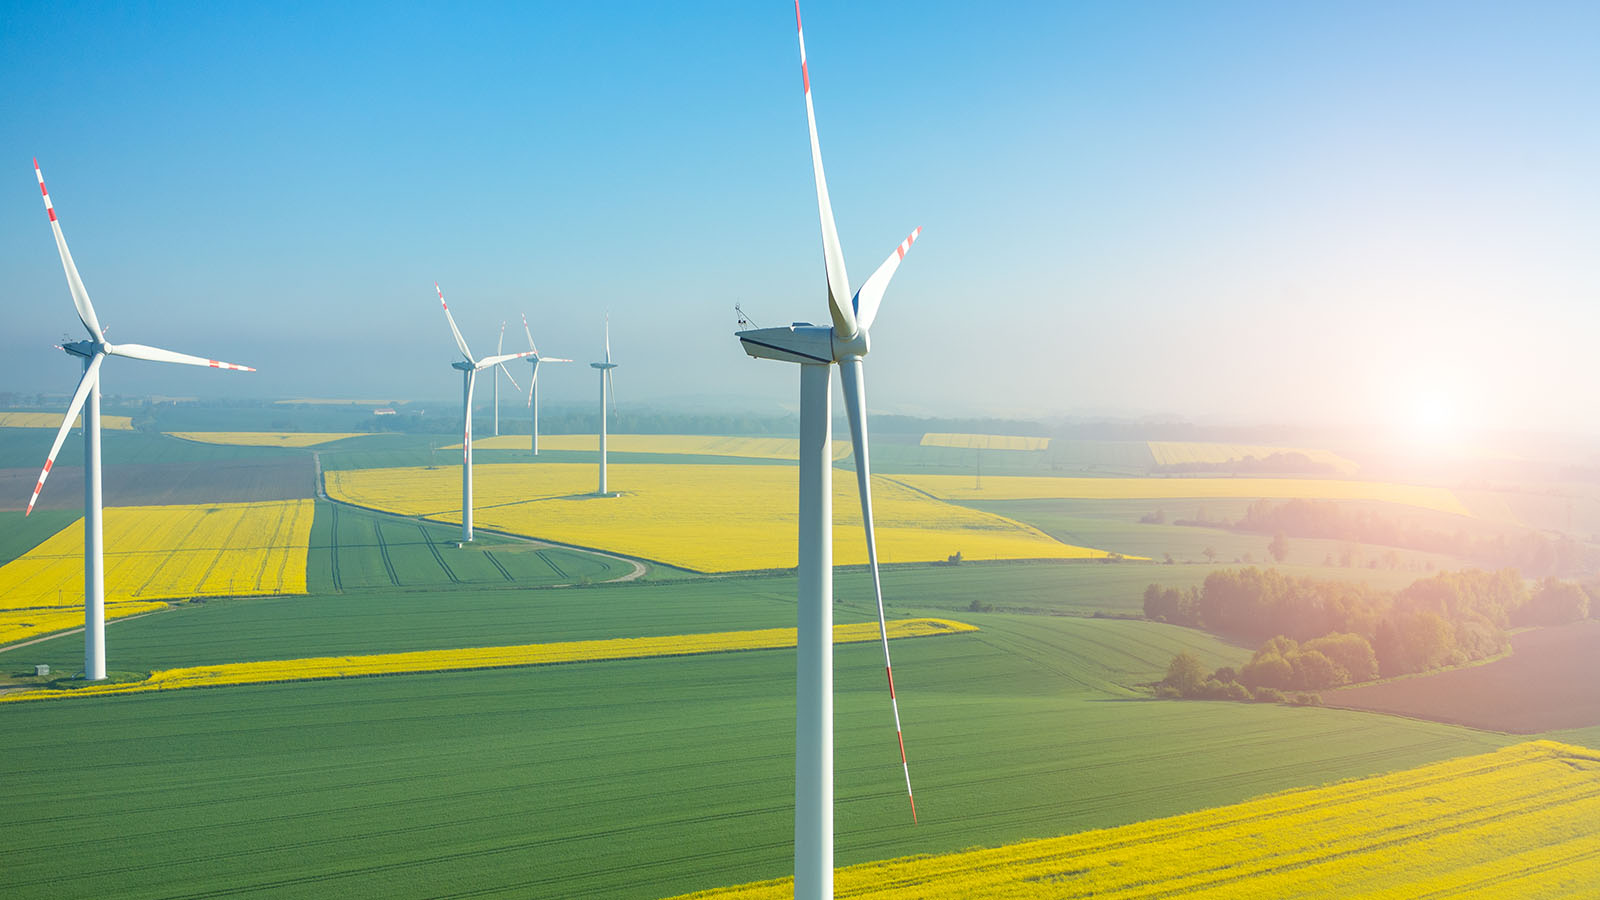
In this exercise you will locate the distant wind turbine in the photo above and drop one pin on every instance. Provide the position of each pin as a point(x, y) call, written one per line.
point(817, 349)
point(469, 366)
point(533, 380)
point(86, 399)
point(500, 369)
point(605, 388)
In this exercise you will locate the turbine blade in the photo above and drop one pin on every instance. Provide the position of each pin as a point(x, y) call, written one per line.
point(855, 402)
point(871, 293)
point(510, 376)
point(501, 346)
point(466, 419)
point(460, 341)
point(90, 378)
point(489, 361)
point(533, 379)
point(156, 354)
point(525, 331)
point(844, 320)
point(611, 388)
point(545, 359)
point(608, 337)
point(80, 296)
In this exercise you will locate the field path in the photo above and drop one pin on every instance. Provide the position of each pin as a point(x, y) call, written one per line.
point(638, 571)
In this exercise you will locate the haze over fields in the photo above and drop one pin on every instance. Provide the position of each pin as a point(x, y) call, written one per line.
point(1356, 214)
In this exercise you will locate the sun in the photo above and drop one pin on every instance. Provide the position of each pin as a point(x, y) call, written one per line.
point(1432, 418)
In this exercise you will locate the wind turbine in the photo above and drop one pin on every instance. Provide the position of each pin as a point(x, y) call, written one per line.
point(817, 349)
point(469, 366)
point(533, 380)
point(501, 368)
point(86, 399)
point(605, 388)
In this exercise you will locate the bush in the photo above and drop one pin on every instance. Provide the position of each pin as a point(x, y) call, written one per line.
point(1233, 690)
point(1350, 652)
point(1267, 670)
point(979, 606)
point(1267, 695)
point(1304, 698)
point(1226, 675)
point(1185, 674)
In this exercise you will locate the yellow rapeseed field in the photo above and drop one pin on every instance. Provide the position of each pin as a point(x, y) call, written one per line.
point(667, 444)
point(264, 438)
point(707, 518)
point(1172, 453)
point(156, 553)
point(1028, 487)
point(984, 441)
point(494, 657)
point(1518, 822)
point(53, 420)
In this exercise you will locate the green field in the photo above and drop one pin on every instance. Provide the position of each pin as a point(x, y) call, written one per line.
point(27, 448)
point(354, 550)
point(626, 779)
point(20, 533)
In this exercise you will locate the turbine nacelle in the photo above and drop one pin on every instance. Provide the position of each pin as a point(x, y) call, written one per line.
point(803, 343)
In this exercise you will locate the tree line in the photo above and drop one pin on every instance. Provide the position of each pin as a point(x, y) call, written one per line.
point(1317, 634)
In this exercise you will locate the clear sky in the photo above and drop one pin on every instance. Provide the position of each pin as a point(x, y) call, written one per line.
point(1259, 211)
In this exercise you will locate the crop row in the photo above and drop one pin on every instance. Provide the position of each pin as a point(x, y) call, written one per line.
point(159, 553)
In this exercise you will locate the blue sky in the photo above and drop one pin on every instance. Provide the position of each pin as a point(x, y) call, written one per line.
point(1253, 211)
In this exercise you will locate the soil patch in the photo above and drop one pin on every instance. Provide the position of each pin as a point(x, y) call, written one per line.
point(160, 484)
point(1550, 681)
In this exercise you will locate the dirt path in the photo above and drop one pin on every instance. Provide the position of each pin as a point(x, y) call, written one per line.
point(56, 634)
point(639, 567)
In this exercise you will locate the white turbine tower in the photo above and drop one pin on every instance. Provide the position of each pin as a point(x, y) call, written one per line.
point(499, 370)
point(87, 400)
point(469, 366)
point(817, 349)
point(606, 387)
point(533, 380)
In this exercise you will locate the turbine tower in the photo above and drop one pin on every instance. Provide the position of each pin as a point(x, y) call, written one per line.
point(86, 399)
point(817, 349)
point(533, 380)
point(605, 388)
point(469, 366)
point(501, 369)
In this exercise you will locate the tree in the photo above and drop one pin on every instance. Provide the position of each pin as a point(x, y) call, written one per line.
point(1267, 670)
point(1210, 554)
point(1350, 652)
point(1185, 674)
point(1554, 602)
point(1313, 671)
point(1279, 548)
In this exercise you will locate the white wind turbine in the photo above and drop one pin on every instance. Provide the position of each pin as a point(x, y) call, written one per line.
point(533, 380)
point(606, 387)
point(469, 366)
point(86, 399)
point(499, 370)
point(817, 349)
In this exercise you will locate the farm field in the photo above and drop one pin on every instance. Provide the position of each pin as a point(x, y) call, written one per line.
point(704, 518)
point(1176, 453)
point(1550, 681)
point(52, 421)
point(466, 659)
point(487, 784)
point(1070, 522)
point(165, 484)
point(26, 448)
point(657, 444)
point(353, 549)
point(157, 553)
point(954, 487)
point(984, 441)
point(905, 454)
point(1518, 822)
point(264, 438)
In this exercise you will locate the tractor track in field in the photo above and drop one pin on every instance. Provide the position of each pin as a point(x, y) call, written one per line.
point(549, 561)
point(383, 552)
point(439, 557)
point(333, 548)
point(504, 572)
